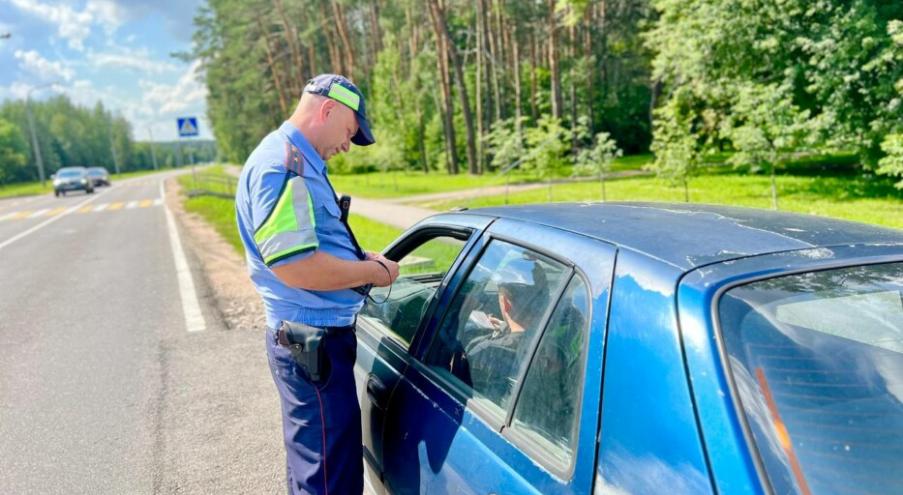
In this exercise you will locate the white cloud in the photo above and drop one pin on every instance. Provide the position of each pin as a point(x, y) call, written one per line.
point(171, 98)
point(72, 25)
point(33, 62)
point(138, 60)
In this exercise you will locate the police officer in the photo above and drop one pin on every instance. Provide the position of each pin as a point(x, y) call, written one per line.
point(313, 278)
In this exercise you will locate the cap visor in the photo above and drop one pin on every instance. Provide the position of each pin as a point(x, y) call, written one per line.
point(363, 137)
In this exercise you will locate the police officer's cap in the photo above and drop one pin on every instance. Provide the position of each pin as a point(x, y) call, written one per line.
point(345, 92)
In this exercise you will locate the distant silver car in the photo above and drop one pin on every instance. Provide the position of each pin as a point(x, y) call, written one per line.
point(99, 176)
point(72, 179)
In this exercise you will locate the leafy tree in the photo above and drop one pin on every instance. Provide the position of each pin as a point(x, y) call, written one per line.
point(548, 143)
point(13, 150)
point(504, 144)
point(678, 148)
point(892, 163)
point(765, 128)
point(596, 160)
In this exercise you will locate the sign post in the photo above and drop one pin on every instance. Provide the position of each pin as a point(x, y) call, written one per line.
point(188, 127)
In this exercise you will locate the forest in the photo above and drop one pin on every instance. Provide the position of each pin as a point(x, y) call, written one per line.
point(480, 86)
point(70, 135)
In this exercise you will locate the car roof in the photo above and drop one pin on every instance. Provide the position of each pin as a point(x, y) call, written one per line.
point(690, 235)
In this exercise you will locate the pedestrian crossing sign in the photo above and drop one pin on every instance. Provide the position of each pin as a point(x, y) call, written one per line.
point(188, 126)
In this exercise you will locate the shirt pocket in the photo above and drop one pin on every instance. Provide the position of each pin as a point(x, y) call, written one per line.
point(328, 216)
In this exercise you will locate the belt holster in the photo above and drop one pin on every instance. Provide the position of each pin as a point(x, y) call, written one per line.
point(306, 344)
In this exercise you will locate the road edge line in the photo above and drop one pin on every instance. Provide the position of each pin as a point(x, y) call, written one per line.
point(191, 309)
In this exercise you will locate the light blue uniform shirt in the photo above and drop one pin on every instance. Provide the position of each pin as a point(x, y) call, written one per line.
point(282, 218)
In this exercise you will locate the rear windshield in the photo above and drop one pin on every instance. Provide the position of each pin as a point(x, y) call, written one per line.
point(817, 359)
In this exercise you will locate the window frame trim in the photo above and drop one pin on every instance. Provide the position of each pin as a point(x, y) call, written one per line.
point(530, 448)
point(400, 245)
point(494, 421)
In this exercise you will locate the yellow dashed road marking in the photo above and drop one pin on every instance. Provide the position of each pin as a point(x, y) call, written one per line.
point(50, 212)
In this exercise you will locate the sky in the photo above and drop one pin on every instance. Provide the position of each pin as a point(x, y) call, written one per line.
point(114, 51)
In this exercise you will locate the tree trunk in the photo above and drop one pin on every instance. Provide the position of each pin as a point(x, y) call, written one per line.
point(274, 73)
point(445, 81)
point(534, 111)
point(518, 111)
point(460, 83)
point(335, 59)
point(572, 53)
point(587, 54)
point(478, 87)
point(553, 61)
point(342, 27)
point(291, 36)
point(375, 32)
point(496, 67)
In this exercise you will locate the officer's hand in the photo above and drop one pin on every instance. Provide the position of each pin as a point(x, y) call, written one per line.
point(372, 255)
point(382, 278)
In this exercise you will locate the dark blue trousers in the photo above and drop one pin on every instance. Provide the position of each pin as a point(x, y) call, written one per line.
point(322, 421)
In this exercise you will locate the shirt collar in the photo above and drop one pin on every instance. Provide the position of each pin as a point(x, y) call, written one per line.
point(307, 151)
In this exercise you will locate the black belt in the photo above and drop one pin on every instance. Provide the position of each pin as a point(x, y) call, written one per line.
point(345, 328)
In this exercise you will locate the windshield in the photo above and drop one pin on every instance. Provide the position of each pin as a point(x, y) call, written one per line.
point(96, 171)
point(817, 359)
point(68, 174)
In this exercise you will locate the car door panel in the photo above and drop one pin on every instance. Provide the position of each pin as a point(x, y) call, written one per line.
point(440, 441)
point(382, 356)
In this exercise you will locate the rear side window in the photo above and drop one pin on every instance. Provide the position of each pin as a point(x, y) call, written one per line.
point(817, 359)
point(487, 332)
point(549, 404)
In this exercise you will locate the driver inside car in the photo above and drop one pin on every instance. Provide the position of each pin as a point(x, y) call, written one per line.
point(493, 345)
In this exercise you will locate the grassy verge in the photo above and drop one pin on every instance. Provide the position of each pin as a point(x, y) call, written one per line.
point(220, 213)
point(35, 188)
point(861, 199)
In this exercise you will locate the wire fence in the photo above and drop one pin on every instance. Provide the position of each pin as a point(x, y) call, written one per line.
point(212, 184)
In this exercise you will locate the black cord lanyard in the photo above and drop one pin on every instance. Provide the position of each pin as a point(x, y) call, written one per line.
point(344, 204)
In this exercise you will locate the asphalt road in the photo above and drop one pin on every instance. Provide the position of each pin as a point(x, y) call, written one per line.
point(108, 382)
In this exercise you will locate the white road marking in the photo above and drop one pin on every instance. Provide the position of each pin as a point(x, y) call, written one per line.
point(101, 207)
point(194, 319)
point(39, 213)
point(48, 221)
point(8, 215)
point(131, 204)
point(158, 201)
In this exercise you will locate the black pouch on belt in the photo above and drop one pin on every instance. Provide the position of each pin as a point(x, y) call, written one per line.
point(306, 344)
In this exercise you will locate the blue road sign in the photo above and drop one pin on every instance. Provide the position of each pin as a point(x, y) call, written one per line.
point(188, 126)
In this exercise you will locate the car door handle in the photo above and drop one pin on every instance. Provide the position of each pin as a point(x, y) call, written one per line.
point(376, 391)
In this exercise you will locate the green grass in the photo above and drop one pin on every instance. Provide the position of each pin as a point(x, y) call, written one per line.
point(220, 213)
point(863, 199)
point(35, 188)
point(399, 184)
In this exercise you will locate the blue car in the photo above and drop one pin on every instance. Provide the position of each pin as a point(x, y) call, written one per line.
point(633, 349)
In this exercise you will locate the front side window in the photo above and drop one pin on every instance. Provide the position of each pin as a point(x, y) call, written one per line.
point(548, 408)
point(488, 328)
point(420, 273)
point(817, 359)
